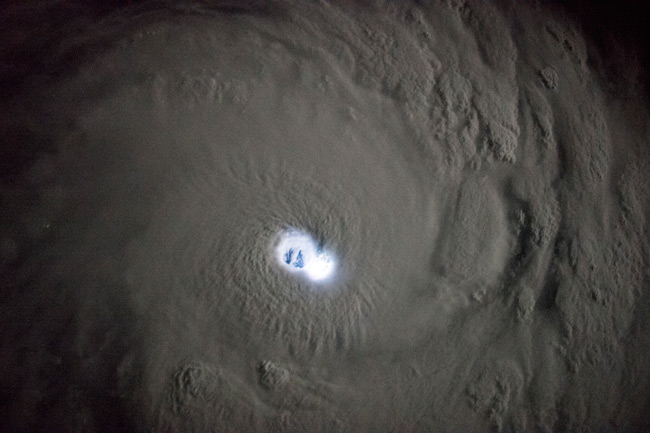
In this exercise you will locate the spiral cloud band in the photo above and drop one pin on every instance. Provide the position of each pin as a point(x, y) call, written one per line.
point(332, 216)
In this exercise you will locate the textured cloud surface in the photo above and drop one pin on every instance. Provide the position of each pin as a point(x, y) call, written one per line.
point(477, 171)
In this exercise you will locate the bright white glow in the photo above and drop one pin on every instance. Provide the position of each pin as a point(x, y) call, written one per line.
point(298, 252)
point(320, 267)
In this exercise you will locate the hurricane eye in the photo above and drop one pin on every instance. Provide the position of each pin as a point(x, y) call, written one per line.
point(298, 252)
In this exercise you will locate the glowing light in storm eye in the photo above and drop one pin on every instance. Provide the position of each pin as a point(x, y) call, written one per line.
point(299, 252)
